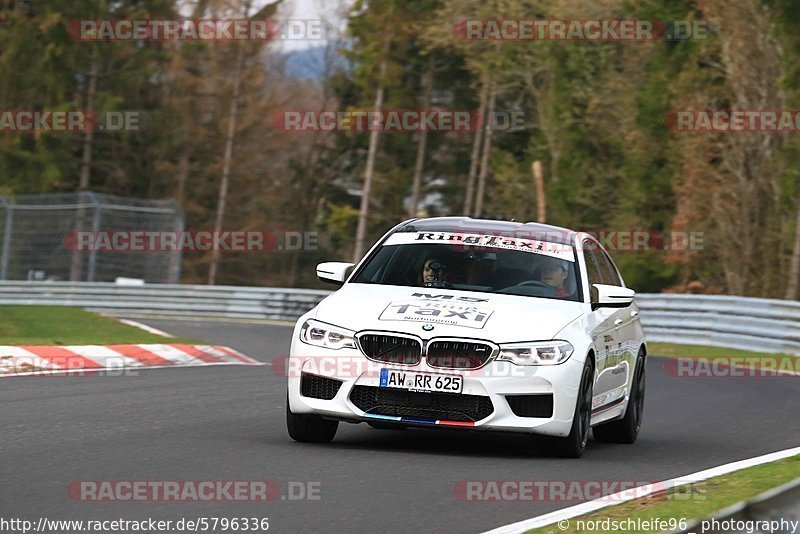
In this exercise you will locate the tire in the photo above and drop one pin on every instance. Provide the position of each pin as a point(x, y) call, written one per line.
point(574, 444)
point(309, 428)
point(626, 430)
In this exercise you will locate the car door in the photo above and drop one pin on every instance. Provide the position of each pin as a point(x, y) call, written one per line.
point(621, 360)
point(603, 330)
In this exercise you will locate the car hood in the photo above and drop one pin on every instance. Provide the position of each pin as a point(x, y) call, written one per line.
point(466, 314)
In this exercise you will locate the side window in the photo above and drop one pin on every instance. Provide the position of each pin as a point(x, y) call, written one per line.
point(592, 268)
point(607, 270)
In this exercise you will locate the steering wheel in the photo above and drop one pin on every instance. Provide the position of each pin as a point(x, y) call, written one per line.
point(537, 283)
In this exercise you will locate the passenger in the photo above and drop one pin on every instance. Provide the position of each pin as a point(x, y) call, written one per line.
point(434, 273)
point(554, 273)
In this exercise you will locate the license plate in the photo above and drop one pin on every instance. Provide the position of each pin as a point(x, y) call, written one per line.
point(419, 381)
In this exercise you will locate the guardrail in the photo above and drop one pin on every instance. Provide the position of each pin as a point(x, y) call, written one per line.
point(777, 507)
point(179, 301)
point(726, 321)
point(764, 325)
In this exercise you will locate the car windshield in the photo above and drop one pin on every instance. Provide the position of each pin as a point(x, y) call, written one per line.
point(475, 262)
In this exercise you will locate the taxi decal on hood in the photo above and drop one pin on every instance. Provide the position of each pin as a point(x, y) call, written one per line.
point(452, 313)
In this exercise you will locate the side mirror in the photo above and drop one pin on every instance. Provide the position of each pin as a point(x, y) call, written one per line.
point(604, 296)
point(334, 272)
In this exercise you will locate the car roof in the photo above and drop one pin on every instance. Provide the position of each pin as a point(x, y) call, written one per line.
point(485, 226)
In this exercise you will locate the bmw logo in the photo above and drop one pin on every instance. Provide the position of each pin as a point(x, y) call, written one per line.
point(427, 327)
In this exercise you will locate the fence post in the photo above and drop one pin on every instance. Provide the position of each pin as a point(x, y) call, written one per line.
point(95, 228)
point(6, 239)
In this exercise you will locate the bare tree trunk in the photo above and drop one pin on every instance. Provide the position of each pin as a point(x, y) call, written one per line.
point(183, 174)
point(226, 163)
point(487, 147)
point(361, 231)
point(421, 145)
point(794, 265)
point(178, 66)
point(86, 162)
point(541, 201)
point(88, 136)
point(476, 151)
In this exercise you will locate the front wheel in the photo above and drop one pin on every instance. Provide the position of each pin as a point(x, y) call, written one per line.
point(309, 428)
point(626, 430)
point(574, 444)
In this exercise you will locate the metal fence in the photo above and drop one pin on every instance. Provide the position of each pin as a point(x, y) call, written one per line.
point(736, 322)
point(35, 230)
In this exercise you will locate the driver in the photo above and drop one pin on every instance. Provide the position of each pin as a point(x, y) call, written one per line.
point(434, 273)
point(553, 272)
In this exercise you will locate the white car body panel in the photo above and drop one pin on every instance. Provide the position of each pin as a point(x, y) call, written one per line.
point(613, 335)
point(359, 306)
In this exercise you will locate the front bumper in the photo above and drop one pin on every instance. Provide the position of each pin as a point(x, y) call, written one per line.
point(496, 381)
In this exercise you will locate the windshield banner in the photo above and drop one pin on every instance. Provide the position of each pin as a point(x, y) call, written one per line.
point(483, 242)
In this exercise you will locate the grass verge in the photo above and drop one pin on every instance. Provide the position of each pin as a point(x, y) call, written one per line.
point(706, 361)
point(691, 502)
point(699, 351)
point(60, 325)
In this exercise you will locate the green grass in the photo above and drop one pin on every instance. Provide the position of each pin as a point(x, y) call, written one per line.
point(699, 351)
point(694, 502)
point(742, 359)
point(59, 325)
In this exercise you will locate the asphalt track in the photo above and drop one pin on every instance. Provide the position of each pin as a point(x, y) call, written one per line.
point(227, 423)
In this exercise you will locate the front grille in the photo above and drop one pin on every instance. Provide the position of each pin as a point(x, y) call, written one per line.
point(531, 405)
point(458, 354)
point(431, 406)
point(391, 349)
point(319, 387)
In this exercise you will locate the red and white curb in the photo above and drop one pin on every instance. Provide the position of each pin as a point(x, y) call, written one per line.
point(25, 360)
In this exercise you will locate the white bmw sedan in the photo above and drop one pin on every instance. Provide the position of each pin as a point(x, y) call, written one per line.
point(474, 324)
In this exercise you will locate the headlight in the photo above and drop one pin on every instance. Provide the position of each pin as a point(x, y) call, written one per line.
point(327, 335)
point(536, 352)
